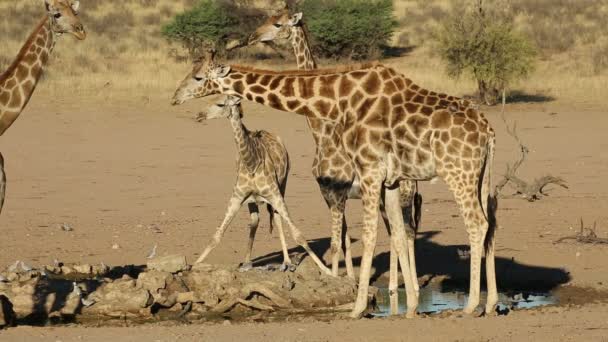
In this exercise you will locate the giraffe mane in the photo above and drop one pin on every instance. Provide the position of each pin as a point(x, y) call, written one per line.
point(24, 50)
point(314, 72)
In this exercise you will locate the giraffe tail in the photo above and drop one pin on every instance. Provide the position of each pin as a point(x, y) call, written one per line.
point(491, 198)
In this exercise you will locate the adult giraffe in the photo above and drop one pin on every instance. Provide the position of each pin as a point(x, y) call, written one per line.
point(392, 133)
point(332, 168)
point(18, 82)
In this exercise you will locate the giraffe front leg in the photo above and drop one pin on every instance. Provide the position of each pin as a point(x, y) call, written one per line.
point(492, 299)
point(276, 218)
point(336, 202)
point(348, 257)
point(370, 191)
point(393, 283)
point(254, 214)
point(410, 207)
point(233, 207)
point(278, 204)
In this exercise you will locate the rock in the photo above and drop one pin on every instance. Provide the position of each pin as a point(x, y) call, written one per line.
point(153, 280)
point(66, 270)
point(119, 298)
point(7, 315)
point(308, 269)
point(169, 263)
point(84, 268)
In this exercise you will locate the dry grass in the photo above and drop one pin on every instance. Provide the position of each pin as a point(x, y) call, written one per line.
point(125, 50)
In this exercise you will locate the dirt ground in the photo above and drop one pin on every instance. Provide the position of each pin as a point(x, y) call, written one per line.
point(119, 169)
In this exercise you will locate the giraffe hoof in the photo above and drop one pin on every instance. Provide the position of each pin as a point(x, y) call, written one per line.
point(287, 266)
point(410, 314)
point(474, 312)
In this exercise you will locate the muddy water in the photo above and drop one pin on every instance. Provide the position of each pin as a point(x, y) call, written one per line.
point(433, 300)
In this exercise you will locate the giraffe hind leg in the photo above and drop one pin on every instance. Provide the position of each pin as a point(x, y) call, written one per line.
point(254, 214)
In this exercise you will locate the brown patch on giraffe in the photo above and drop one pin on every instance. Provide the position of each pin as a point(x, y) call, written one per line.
point(367, 153)
point(15, 99)
point(11, 83)
point(467, 152)
point(400, 132)
point(249, 97)
point(371, 85)
point(426, 110)
point(236, 76)
point(445, 137)
point(306, 111)
point(27, 86)
point(4, 96)
point(418, 99)
point(438, 149)
point(458, 118)
point(338, 161)
point(345, 86)
point(30, 58)
point(409, 95)
point(411, 107)
point(473, 138)
point(423, 92)
point(322, 107)
point(398, 116)
point(457, 133)
point(356, 98)
point(252, 78)
point(397, 99)
point(259, 99)
point(364, 108)
point(399, 83)
point(327, 86)
point(306, 87)
point(276, 82)
point(466, 165)
point(238, 87)
point(334, 113)
point(441, 120)
point(432, 100)
point(357, 74)
point(22, 72)
point(343, 104)
point(390, 88)
point(256, 89)
point(443, 103)
point(417, 124)
point(275, 102)
point(470, 126)
point(265, 80)
point(288, 90)
point(385, 74)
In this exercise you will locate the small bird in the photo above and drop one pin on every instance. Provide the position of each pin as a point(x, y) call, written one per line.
point(25, 267)
point(56, 263)
point(152, 252)
point(76, 290)
point(66, 227)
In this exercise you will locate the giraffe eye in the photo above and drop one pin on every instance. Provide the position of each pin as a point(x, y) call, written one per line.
point(198, 79)
point(57, 15)
point(221, 105)
point(277, 25)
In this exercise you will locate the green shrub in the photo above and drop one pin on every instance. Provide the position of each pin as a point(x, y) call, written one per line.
point(484, 44)
point(355, 29)
point(211, 23)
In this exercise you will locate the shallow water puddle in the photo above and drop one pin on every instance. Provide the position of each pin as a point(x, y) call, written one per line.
point(433, 300)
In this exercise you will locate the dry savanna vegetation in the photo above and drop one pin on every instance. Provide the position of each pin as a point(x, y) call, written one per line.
point(126, 50)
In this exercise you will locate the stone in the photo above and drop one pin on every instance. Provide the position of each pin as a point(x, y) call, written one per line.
point(84, 268)
point(153, 280)
point(7, 315)
point(169, 263)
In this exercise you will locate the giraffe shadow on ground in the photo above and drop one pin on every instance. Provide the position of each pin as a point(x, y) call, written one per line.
point(449, 262)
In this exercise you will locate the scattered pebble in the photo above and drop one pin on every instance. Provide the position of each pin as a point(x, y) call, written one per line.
point(115, 246)
point(66, 227)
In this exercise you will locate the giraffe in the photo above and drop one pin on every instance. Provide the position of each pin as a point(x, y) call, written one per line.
point(332, 167)
point(392, 133)
point(18, 82)
point(262, 170)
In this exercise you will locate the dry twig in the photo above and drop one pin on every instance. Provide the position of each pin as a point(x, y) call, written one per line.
point(585, 235)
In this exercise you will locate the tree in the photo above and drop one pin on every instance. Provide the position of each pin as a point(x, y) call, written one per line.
point(481, 41)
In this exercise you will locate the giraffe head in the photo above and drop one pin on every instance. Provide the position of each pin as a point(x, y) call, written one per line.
point(63, 15)
point(229, 107)
point(202, 80)
point(276, 27)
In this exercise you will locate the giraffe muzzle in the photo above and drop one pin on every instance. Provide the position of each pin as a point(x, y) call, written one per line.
point(79, 32)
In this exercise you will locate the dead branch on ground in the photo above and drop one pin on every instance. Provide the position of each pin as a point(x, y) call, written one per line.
point(530, 191)
point(585, 235)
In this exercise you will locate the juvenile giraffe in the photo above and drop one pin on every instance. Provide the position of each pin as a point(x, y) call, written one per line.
point(332, 168)
point(18, 82)
point(392, 133)
point(262, 170)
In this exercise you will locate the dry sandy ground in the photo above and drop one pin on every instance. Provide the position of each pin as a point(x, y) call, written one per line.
point(111, 167)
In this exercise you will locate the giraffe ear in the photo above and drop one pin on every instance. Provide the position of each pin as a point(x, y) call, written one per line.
point(236, 100)
point(222, 71)
point(75, 5)
point(295, 19)
point(48, 4)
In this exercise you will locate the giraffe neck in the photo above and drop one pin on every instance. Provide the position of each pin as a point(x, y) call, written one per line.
point(246, 146)
point(19, 81)
point(301, 49)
